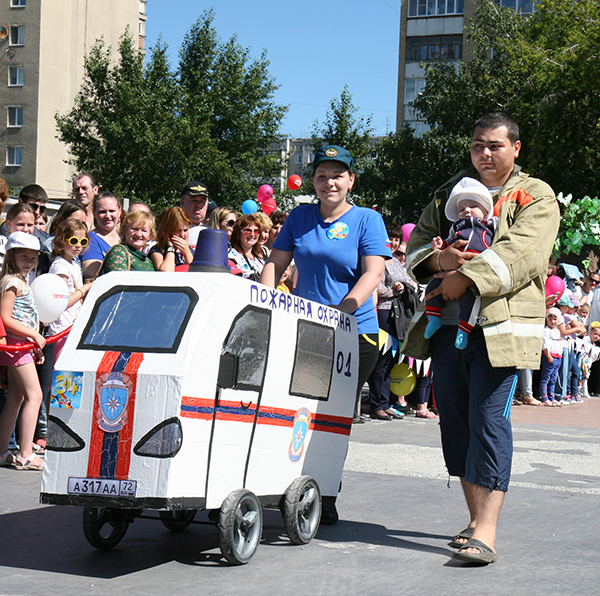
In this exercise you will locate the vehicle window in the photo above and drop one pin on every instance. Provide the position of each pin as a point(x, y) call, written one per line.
point(139, 319)
point(248, 339)
point(313, 363)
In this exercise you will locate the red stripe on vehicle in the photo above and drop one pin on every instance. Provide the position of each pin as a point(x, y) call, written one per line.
point(97, 434)
point(126, 433)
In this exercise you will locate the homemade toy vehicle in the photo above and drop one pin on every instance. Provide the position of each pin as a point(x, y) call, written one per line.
point(179, 392)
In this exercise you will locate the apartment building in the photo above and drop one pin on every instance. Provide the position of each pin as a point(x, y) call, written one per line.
point(42, 50)
point(433, 30)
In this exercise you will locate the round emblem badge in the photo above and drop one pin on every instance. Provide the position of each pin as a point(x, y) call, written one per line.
point(331, 152)
point(302, 421)
point(338, 231)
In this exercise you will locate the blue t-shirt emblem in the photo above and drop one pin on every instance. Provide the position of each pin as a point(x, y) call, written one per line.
point(338, 231)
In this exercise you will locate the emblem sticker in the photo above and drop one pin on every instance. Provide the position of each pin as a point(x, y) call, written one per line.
point(66, 389)
point(113, 391)
point(301, 425)
point(338, 231)
point(331, 152)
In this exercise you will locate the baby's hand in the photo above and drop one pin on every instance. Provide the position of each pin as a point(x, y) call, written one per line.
point(437, 242)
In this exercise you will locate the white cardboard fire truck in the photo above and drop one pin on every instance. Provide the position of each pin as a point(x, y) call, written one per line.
point(180, 392)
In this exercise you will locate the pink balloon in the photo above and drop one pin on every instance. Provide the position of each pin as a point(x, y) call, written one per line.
point(406, 231)
point(264, 192)
point(268, 206)
point(555, 285)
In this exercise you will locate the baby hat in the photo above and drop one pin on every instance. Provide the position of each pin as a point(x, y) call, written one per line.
point(469, 188)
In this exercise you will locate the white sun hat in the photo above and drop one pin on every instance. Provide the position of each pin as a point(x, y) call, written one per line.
point(469, 188)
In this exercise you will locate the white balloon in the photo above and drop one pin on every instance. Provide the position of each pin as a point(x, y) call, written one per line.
point(51, 295)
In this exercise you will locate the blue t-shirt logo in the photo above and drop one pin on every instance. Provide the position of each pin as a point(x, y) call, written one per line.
point(338, 231)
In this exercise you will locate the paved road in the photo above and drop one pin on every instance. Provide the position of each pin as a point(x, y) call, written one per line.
point(397, 517)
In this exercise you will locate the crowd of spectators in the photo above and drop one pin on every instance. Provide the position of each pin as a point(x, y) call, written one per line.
point(92, 235)
point(89, 236)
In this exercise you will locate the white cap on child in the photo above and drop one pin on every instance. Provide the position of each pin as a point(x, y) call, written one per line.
point(554, 312)
point(22, 240)
point(469, 188)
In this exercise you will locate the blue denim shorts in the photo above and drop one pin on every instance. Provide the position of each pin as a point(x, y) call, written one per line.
point(474, 401)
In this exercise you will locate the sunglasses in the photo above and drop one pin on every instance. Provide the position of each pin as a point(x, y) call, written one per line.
point(38, 207)
point(73, 241)
point(230, 223)
point(248, 231)
point(594, 281)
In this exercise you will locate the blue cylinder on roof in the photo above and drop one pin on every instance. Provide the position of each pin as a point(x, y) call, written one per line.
point(211, 252)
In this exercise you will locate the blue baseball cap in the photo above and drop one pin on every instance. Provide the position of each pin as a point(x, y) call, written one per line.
point(333, 153)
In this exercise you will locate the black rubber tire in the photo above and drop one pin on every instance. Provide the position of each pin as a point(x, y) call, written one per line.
point(240, 526)
point(103, 527)
point(177, 520)
point(302, 509)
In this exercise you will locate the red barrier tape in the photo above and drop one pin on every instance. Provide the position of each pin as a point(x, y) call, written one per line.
point(31, 345)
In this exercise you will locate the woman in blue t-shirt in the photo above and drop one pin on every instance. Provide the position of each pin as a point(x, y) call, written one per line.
point(340, 251)
point(108, 212)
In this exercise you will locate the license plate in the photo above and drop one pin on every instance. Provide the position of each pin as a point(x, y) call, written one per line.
point(101, 487)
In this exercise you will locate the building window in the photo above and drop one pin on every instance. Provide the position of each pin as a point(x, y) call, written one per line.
point(412, 89)
point(142, 6)
point(298, 158)
point(522, 6)
point(419, 127)
point(16, 76)
point(14, 156)
point(15, 116)
point(434, 8)
point(17, 3)
point(438, 47)
point(17, 36)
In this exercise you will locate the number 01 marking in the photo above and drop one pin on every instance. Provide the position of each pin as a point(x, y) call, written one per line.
point(340, 365)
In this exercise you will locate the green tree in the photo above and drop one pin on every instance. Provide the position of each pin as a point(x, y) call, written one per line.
point(579, 225)
point(407, 169)
point(543, 71)
point(123, 124)
point(230, 94)
point(145, 132)
point(344, 128)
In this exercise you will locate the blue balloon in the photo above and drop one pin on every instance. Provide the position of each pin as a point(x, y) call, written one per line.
point(250, 206)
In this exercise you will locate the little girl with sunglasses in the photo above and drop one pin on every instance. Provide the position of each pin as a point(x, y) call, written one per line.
point(70, 241)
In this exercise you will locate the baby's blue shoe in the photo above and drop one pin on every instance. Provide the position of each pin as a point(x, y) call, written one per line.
point(434, 324)
point(462, 339)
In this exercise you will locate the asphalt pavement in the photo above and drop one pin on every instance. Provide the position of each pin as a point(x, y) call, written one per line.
point(398, 511)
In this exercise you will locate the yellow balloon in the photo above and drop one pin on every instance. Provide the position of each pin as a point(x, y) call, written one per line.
point(403, 379)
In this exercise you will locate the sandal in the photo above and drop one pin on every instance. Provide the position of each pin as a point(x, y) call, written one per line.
point(466, 535)
point(29, 463)
point(483, 557)
point(7, 459)
point(425, 414)
point(529, 400)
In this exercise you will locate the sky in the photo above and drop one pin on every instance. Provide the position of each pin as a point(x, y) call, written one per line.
point(314, 47)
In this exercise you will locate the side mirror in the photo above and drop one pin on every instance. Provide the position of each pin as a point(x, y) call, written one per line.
point(228, 370)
